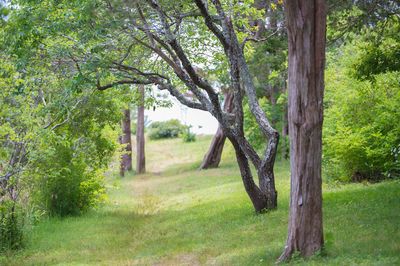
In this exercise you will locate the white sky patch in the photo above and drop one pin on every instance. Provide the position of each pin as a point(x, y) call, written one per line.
point(202, 122)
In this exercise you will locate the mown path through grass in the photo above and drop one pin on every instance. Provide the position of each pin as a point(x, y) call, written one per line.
point(182, 216)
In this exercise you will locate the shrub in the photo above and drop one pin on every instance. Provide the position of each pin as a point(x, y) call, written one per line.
point(11, 225)
point(188, 136)
point(66, 184)
point(361, 137)
point(166, 129)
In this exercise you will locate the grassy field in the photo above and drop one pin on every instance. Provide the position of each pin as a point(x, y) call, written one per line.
point(177, 215)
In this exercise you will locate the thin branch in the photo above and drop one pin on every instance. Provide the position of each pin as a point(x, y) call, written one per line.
point(126, 54)
point(138, 71)
point(197, 80)
point(181, 98)
point(254, 39)
point(123, 82)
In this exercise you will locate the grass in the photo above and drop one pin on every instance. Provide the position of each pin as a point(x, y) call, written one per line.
point(177, 215)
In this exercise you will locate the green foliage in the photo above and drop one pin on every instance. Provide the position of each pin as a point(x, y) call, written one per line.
point(346, 18)
point(251, 128)
point(166, 129)
point(274, 112)
point(16, 119)
point(11, 225)
point(62, 134)
point(361, 135)
point(67, 163)
point(64, 183)
point(379, 51)
point(188, 136)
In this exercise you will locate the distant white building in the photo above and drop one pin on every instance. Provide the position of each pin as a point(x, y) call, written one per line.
point(202, 122)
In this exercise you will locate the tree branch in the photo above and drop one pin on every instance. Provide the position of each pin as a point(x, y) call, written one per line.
point(122, 82)
point(210, 23)
point(254, 39)
point(181, 98)
point(197, 80)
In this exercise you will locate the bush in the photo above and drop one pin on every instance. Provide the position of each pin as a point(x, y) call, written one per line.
point(188, 136)
point(361, 134)
point(166, 129)
point(66, 183)
point(11, 225)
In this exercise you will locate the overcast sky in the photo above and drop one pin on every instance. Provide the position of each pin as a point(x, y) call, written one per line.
point(202, 122)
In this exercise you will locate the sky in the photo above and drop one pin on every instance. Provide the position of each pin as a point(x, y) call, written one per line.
point(202, 122)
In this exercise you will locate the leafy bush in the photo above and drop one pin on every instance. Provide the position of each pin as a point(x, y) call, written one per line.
point(11, 225)
point(361, 130)
point(66, 182)
point(166, 129)
point(361, 134)
point(188, 136)
point(67, 164)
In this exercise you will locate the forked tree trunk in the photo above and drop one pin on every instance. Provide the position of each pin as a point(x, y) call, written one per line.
point(214, 153)
point(125, 139)
point(306, 33)
point(264, 197)
point(140, 140)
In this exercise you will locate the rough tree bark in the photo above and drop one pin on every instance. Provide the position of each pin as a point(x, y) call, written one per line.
point(140, 140)
point(125, 139)
point(213, 155)
point(285, 131)
point(306, 34)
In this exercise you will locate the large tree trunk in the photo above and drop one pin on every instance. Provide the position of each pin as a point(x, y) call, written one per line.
point(125, 139)
point(140, 153)
point(213, 155)
point(306, 33)
point(285, 133)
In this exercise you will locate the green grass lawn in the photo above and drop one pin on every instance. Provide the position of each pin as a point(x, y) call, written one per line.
point(177, 215)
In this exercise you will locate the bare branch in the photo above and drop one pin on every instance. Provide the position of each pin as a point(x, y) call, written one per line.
point(138, 71)
point(122, 82)
point(181, 98)
point(254, 39)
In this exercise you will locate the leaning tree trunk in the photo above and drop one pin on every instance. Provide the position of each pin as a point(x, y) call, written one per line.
point(214, 153)
point(306, 33)
point(263, 197)
point(125, 139)
point(140, 153)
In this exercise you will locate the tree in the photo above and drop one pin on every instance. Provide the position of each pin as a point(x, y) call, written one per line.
point(306, 22)
point(154, 42)
point(214, 153)
point(126, 140)
point(166, 43)
point(270, 73)
point(140, 154)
